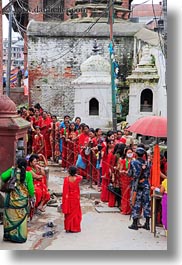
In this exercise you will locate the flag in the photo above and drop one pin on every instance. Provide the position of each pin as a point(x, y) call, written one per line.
point(13, 78)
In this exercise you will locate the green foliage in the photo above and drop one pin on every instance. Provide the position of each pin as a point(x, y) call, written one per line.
point(125, 106)
point(45, 80)
point(152, 59)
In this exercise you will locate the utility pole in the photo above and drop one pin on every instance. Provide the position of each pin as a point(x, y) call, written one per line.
point(8, 73)
point(111, 48)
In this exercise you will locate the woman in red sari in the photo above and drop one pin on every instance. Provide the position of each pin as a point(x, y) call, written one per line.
point(36, 120)
point(38, 144)
point(71, 201)
point(54, 138)
point(115, 198)
point(41, 191)
point(64, 136)
point(93, 156)
point(125, 181)
point(71, 138)
point(107, 165)
point(45, 131)
point(83, 141)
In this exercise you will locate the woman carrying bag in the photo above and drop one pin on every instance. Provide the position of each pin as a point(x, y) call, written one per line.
point(16, 202)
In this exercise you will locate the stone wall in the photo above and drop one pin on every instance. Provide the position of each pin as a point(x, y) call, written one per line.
point(56, 52)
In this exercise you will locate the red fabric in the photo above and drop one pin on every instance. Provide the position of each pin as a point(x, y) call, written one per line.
point(112, 199)
point(107, 166)
point(71, 205)
point(72, 148)
point(83, 140)
point(54, 139)
point(38, 145)
point(46, 133)
point(122, 140)
point(125, 190)
point(155, 180)
point(64, 133)
point(41, 191)
point(94, 161)
point(36, 121)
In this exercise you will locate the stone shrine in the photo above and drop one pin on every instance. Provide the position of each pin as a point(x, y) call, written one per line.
point(143, 91)
point(93, 98)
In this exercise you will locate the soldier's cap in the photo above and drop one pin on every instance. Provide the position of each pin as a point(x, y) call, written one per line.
point(140, 151)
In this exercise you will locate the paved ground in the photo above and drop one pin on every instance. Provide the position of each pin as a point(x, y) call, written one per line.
point(102, 229)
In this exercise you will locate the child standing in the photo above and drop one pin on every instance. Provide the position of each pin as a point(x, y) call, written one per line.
point(71, 201)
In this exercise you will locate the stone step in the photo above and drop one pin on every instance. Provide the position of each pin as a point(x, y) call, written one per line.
point(106, 209)
point(90, 194)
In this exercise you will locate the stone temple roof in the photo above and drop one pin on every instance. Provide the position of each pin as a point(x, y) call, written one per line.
point(95, 64)
point(148, 36)
point(79, 29)
point(95, 70)
point(146, 69)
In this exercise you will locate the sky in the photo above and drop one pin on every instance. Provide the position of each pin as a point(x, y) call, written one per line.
point(14, 34)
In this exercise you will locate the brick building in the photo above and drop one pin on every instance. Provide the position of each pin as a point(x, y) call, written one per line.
point(151, 15)
point(58, 49)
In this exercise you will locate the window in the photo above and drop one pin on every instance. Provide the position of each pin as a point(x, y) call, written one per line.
point(146, 100)
point(93, 107)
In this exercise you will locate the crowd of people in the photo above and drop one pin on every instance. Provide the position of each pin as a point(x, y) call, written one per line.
point(118, 166)
point(102, 158)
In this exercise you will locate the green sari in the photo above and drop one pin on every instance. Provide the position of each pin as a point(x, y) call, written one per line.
point(16, 209)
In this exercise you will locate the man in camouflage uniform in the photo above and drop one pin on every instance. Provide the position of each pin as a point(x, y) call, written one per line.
point(140, 171)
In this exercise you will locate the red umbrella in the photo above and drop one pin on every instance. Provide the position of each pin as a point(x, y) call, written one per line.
point(151, 126)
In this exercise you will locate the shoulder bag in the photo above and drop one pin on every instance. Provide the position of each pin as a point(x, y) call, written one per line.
point(10, 184)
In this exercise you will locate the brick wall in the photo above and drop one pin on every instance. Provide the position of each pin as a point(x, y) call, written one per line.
point(146, 10)
point(34, 5)
point(68, 4)
point(54, 62)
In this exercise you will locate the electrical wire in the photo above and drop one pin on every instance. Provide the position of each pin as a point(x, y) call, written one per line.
point(84, 33)
point(20, 30)
point(155, 18)
point(74, 23)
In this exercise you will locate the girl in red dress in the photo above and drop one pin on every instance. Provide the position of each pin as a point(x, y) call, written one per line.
point(71, 201)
